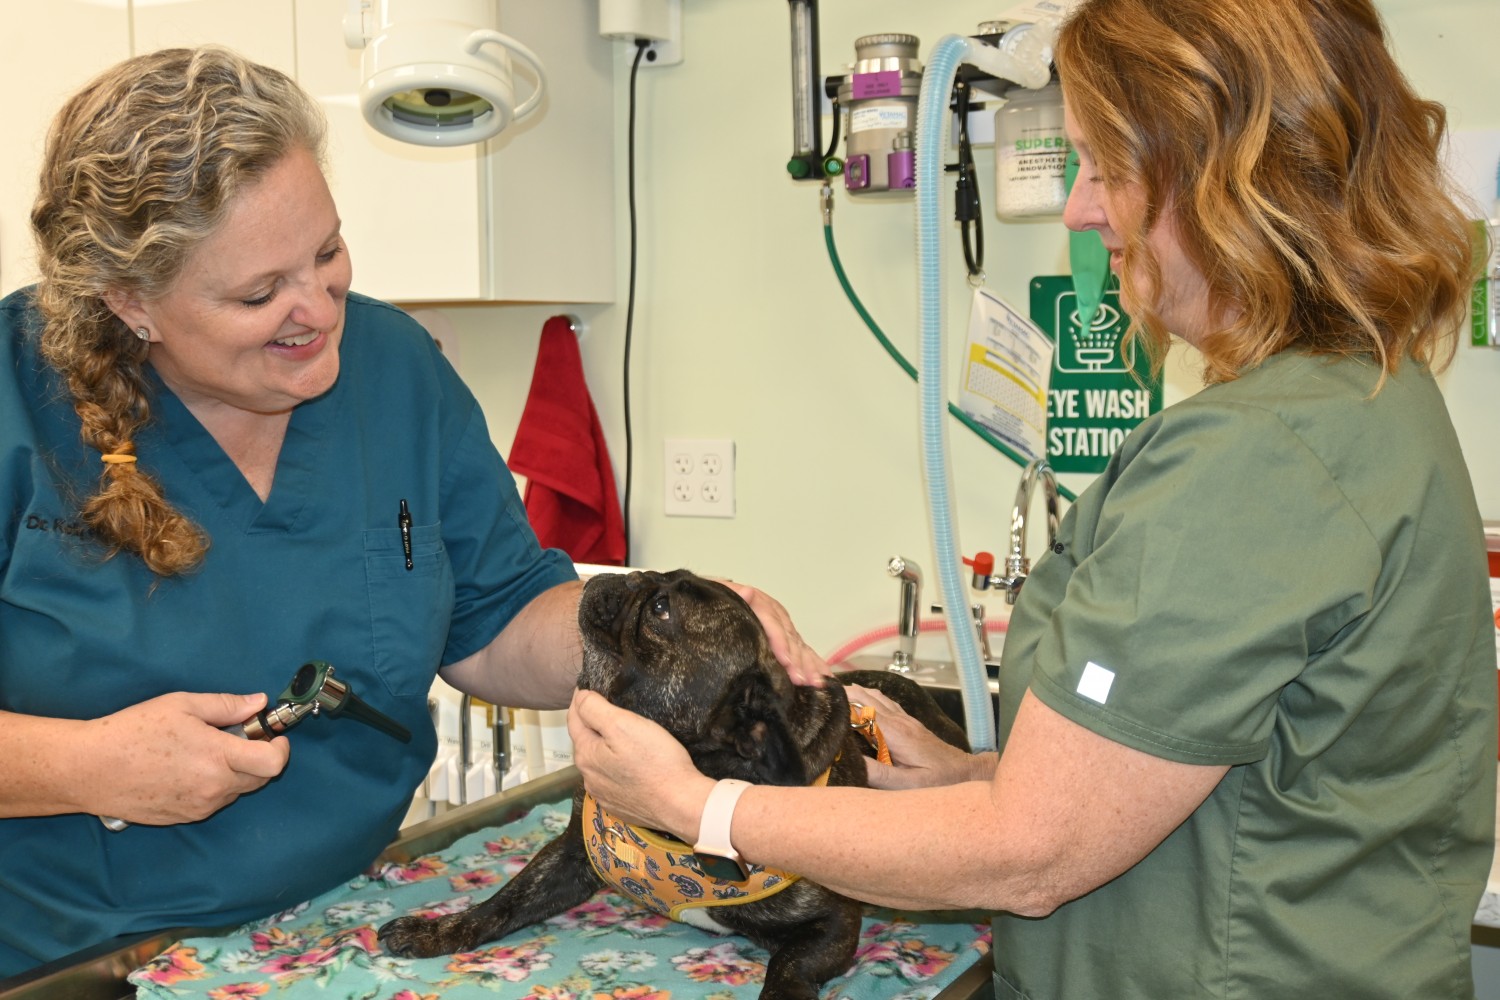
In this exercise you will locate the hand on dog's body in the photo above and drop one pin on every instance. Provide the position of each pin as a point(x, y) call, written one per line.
point(638, 770)
point(642, 773)
point(803, 664)
point(919, 758)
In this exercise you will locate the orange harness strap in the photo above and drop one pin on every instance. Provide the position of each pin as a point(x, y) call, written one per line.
point(862, 719)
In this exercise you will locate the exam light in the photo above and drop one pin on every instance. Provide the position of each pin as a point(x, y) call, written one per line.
point(437, 72)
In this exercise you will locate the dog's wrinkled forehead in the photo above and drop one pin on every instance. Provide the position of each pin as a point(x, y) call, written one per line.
point(650, 608)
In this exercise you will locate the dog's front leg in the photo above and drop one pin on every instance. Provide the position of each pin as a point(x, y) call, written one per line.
point(805, 956)
point(558, 878)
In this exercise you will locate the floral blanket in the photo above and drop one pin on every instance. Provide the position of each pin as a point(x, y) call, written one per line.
point(604, 949)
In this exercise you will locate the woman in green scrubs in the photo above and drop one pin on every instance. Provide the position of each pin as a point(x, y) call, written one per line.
point(1248, 711)
point(216, 463)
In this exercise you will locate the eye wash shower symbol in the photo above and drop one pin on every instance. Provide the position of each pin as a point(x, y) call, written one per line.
point(1096, 349)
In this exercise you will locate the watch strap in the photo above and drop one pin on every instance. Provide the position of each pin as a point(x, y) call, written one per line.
point(718, 816)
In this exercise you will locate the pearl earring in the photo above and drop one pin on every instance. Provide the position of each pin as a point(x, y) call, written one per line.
point(143, 333)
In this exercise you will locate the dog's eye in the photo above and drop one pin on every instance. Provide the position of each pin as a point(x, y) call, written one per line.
point(661, 607)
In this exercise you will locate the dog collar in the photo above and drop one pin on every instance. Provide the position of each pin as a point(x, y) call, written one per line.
point(862, 721)
point(662, 873)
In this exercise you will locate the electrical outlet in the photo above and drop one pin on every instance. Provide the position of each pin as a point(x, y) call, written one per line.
point(699, 477)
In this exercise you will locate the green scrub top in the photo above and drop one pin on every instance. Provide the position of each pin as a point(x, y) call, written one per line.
point(315, 572)
point(1284, 575)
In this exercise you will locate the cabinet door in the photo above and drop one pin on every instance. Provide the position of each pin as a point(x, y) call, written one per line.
point(261, 31)
point(47, 51)
point(550, 179)
point(412, 215)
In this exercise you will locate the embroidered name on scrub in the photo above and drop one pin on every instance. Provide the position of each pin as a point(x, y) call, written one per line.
point(662, 873)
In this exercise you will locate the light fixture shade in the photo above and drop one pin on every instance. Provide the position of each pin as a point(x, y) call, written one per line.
point(436, 72)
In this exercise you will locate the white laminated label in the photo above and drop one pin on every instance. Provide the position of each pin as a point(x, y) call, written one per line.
point(1096, 682)
point(1004, 381)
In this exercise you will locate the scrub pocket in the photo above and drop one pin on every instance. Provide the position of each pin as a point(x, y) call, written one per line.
point(410, 609)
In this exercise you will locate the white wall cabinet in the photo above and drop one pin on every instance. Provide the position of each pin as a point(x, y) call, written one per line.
point(526, 217)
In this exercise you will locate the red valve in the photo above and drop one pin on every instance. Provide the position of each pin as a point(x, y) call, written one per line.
point(983, 563)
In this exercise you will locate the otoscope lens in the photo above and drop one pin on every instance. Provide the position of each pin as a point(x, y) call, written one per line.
point(303, 682)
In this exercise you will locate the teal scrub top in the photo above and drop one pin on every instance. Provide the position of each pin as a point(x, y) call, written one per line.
point(315, 572)
point(1284, 575)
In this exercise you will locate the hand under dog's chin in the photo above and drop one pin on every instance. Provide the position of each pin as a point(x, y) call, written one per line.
point(600, 672)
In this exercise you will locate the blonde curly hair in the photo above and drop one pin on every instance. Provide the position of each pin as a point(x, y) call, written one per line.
point(1302, 170)
point(141, 166)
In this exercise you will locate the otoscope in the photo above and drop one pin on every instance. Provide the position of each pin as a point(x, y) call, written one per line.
point(313, 691)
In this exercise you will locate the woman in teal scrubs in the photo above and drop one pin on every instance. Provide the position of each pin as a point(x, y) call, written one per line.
point(216, 463)
point(1248, 711)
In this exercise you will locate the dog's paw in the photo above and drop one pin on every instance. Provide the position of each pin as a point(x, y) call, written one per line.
point(419, 937)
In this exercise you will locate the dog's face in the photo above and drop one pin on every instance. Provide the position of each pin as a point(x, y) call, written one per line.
point(667, 645)
point(689, 654)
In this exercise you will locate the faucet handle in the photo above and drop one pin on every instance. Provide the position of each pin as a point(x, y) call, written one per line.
point(984, 565)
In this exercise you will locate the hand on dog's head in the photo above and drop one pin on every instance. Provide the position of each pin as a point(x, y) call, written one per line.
point(689, 654)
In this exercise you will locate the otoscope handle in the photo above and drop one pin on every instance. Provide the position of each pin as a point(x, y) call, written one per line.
point(314, 689)
point(259, 724)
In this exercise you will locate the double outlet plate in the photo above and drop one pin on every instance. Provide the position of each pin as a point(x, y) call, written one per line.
point(699, 477)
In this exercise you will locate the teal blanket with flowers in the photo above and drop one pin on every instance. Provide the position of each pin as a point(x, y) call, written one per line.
point(605, 949)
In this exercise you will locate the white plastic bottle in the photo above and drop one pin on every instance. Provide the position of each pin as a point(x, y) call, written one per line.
point(1031, 153)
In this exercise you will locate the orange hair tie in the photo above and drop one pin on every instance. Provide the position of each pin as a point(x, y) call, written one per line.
point(116, 459)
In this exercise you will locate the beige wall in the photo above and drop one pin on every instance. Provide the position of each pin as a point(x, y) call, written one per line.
point(742, 332)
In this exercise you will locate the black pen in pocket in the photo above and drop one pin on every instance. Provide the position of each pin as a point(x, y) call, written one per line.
point(403, 521)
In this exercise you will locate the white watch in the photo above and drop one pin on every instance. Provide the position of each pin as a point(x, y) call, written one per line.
point(713, 847)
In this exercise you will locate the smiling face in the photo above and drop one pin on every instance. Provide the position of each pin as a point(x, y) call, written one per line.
point(1115, 208)
point(255, 318)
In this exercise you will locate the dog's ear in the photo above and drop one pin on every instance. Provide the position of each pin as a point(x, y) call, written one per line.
point(747, 735)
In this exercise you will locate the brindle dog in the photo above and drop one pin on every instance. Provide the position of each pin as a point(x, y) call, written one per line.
point(691, 655)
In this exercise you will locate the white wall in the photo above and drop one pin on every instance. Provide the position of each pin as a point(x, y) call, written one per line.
point(742, 332)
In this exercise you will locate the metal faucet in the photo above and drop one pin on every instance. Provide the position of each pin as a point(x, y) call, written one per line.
point(1017, 566)
point(908, 622)
point(499, 745)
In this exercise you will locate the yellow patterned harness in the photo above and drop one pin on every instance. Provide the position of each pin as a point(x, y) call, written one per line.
point(663, 874)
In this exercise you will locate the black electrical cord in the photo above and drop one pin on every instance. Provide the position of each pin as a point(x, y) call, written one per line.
point(641, 45)
point(838, 126)
point(966, 208)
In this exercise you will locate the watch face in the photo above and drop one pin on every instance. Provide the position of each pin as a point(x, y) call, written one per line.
point(720, 867)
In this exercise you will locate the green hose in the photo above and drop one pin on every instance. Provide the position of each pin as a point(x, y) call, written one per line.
point(906, 366)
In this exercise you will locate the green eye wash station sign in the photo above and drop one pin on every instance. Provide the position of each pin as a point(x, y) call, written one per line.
point(1094, 396)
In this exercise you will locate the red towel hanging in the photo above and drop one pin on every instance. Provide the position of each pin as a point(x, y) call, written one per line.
point(559, 447)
